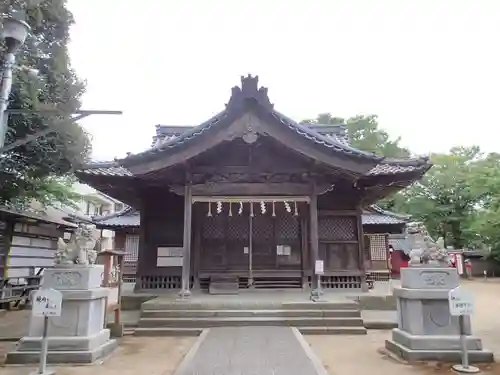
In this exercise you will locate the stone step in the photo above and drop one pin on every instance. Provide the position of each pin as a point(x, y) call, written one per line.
point(247, 305)
point(166, 331)
point(249, 313)
point(277, 286)
point(223, 285)
point(242, 321)
point(332, 330)
point(162, 331)
point(224, 288)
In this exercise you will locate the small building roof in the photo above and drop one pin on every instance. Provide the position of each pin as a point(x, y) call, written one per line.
point(375, 215)
point(127, 218)
point(49, 215)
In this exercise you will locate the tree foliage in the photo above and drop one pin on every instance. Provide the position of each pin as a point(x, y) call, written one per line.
point(457, 199)
point(34, 170)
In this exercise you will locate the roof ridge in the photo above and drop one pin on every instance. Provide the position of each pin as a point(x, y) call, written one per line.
point(126, 211)
point(407, 161)
point(320, 138)
point(380, 210)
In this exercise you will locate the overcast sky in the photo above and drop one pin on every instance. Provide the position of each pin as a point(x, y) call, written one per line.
point(429, 68)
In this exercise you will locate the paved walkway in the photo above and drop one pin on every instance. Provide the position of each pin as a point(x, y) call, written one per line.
point(251, 351)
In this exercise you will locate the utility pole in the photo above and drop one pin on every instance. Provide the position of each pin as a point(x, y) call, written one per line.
point(15, 31)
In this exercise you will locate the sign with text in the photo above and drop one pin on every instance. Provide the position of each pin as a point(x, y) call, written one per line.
point(319, 268)
point(461, 302)
point(47, 302)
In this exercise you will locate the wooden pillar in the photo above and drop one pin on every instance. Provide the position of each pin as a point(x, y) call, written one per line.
point(186, 259)
point(197, 227)
point(361, 250)
point(145, 258)
point(313, 221)
point(306, 266)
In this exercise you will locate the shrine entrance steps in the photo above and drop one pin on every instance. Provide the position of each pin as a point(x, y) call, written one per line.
point(223, 285)
point(226, 284)
point(172, 317)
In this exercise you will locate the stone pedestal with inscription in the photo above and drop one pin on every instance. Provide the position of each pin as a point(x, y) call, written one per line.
point(78, 335)
point(426, 330)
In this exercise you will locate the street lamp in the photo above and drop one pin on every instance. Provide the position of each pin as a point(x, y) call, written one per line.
point(14, 31)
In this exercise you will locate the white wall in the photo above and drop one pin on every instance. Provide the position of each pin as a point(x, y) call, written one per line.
point(28, 252)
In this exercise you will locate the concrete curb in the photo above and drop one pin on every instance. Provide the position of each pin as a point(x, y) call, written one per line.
point(181, 369)
point(316, 362)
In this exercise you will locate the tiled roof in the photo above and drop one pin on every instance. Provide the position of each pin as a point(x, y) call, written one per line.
point(371, 219)
point(166, 133)
point(390, 166)
point(48, 215)
point(108, 168)
point(387, 167)
point(376, 215)
point(249, 91)
point(333, 137)
point(129, 217)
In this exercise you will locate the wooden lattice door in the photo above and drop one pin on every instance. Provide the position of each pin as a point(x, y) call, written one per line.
point(237, 242)
point(213, 246)
point(287, 237)
point(263, 243)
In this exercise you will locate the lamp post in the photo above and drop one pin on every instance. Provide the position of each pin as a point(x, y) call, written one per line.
point(14, 31)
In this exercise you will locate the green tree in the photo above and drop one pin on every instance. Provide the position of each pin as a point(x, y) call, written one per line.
point(34, 170)
point(450, 197)
point(486, 224)
point(365, 134)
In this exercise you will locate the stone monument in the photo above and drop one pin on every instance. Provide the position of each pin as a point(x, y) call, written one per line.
point(426, 330)
point(78, 335)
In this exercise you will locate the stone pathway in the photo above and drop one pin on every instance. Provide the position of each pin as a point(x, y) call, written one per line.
point(251, 351)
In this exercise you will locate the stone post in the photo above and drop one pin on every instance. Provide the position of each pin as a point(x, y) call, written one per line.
point(78, 335)
point(426, 330)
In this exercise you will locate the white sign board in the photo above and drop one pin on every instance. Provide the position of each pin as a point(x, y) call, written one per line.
point(319, 268)
point(461, 302)
point(47, 302)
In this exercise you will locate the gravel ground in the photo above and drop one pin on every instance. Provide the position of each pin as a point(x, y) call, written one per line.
point(360, 354)
point(135, 355)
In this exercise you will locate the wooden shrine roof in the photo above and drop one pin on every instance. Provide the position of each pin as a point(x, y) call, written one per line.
point(387, 166)
point(329, 141)
point(167, 133)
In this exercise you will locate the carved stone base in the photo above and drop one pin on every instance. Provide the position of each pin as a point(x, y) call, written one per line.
point(77, 336)
point(426, 330)
point(63, 350)
point(435, 354)
point(75, 277)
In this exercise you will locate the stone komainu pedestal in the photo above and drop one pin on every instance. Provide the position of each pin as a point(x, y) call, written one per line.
point(426, 330)
point(78, 335)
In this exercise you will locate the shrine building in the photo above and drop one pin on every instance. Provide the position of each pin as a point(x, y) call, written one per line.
point(252, 198)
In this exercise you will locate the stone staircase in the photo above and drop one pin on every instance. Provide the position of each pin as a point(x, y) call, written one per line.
point(174, 318)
